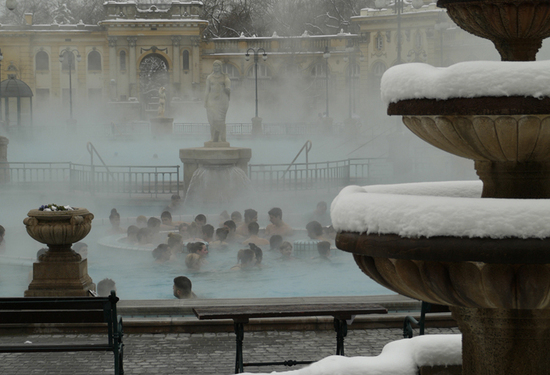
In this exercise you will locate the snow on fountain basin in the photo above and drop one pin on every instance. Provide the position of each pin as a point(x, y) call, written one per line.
point(438, 209)
point(466, 80)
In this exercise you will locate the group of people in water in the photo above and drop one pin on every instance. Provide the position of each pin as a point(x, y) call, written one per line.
point(192, 242)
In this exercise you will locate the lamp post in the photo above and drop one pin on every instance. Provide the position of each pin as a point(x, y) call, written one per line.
point(256, 121)
point(68, 54)
point(352, 59)
point(326, 56)
point(399, 10)
point(1, 58)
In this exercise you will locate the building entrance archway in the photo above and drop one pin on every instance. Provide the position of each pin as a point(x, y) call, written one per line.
point(153, 74)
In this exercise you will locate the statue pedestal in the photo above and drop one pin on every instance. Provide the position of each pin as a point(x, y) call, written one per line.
point(214, 175)
point(162, 125)
point(57, 278)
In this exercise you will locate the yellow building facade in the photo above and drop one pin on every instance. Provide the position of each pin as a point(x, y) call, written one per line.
point(118, 65)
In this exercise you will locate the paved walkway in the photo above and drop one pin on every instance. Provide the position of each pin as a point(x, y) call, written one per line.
point(195, 354)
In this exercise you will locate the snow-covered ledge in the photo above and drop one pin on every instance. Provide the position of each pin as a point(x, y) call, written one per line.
point(401, 357)
point(438, 209)
point(466, 80)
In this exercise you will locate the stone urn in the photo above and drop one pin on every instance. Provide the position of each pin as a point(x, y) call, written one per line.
point(498, 288)
point(60, 271)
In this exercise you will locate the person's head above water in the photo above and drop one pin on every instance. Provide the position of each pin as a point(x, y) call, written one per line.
point(314, 229)
point(182, 288)
point(275, 241)
point(275, 215)
point(250, 215)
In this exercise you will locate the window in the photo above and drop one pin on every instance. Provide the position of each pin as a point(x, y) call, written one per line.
point(42, 61)
point(379, 42)
point(122, 57)
point(263, 71)
point(68, 61)
point(231, 71)
point(94, 61)
point(185, 60)
point(355, 70)
point(378, 69)
point(319, 70)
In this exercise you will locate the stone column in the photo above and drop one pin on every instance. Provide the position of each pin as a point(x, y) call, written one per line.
point(176, 64)
point(4, 166)
point(132, 58)
point(112, 66)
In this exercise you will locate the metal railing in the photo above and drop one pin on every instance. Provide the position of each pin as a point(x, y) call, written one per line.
point(129, 180)
point(159, 180)
point(329, 176)
point(139, 128)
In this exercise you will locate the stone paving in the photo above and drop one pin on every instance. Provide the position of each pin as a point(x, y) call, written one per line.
point(196, 354)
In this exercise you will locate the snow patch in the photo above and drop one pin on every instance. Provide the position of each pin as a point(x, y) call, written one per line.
point(466, 80)
point(438, 209)
point(401, 357)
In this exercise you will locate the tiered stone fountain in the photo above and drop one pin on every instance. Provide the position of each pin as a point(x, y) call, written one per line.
point(498, 289)
point(60, 271)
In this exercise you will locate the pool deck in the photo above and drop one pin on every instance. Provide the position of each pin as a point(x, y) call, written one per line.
point(164, 337)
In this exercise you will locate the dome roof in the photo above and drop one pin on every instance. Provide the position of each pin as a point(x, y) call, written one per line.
point(14, 88)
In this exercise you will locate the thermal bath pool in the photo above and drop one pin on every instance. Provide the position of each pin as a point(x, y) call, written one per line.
point(138, 277)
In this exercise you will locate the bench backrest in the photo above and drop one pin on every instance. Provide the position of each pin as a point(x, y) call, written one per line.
point(60, 310)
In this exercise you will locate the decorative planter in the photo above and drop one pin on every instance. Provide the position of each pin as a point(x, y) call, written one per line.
point(60, 271)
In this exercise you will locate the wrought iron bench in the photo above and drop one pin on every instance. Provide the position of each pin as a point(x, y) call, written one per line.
point(242, 314)
point(426, 309)
point(47, 310)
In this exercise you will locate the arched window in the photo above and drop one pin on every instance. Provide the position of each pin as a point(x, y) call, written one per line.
point(378, 69)
point(42, 61)
point(355, 70)
point(231, 71)
point(68, 60)
point(122, 56)
point(185, 59)
point(319, 70)
point(94, 61)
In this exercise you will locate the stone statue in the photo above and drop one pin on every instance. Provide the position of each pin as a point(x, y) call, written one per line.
point(216, 101)
point(162, 102)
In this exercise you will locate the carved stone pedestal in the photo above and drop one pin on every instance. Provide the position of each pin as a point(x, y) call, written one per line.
point(60, 271)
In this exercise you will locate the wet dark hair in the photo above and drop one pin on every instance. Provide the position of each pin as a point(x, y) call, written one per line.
point(253, 228)
point(245, 256)
point(208, 230)
point(236, 215)
point(315, 227)
point(276, 211)
point(114, 214)
point(222, 233)
point(250, 214)
point(153, 222)
point(194, 247)
point(159, 250)
point(257, 251)
point(174, 239)
point(200, 217)
point(166, 214)
point(132, 229)
point(184, 284)
point(230, 224)
point(142, 232)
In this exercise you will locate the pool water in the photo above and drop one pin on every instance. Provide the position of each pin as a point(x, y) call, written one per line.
point(137, 276)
